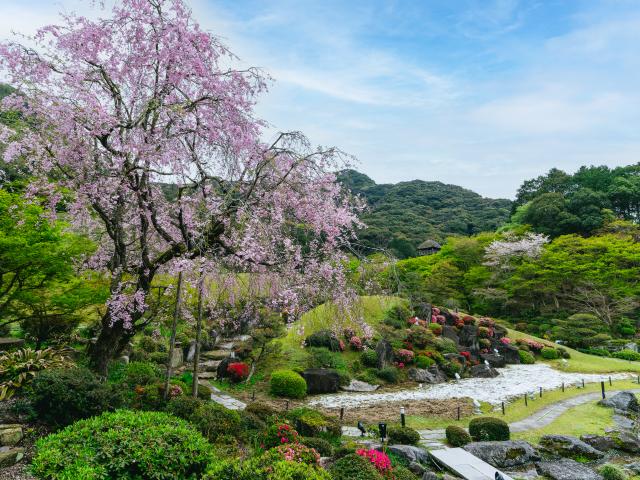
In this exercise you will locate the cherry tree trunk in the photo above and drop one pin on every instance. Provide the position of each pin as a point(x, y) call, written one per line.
point(111, 341)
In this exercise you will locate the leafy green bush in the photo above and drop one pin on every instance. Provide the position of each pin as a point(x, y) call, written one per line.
point(422, 361)
point(370, 375)
point(134, 373)
point(549, 353)
point(369, 358)
point(20, 367)
point(627, 355)
point(254, 469)
point(151, 397)
point(451, 368)
point(403, 435)
point(262, 410)
point(212, 419)
point(526, 357)
point(287, 383)
point(446, 345)
point(313, 423)
point(488, 429)
point(126, 445)
point(388, 374)
point(320, 445)
point(354, 467)
point(612, 472)
point(324, 338)
point(324, 358)
point(62, 396)
point(296, 471)
point(457, 436)
point(599, 352)
point(159, 358)
point(397, 316)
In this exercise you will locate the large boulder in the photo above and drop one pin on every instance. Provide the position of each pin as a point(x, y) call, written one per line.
point(456, 357)
point(504, 454)
point(568, 446)
point(359, 386)
point(409, 453)
point(9, 456)
point(469, 337)
point(623, 401)
point(566, 469)
point(496, 361)
point(510, 353)
point(483, 371)
point(385, 353)
point(430, 375)
point(221, 369)
point(10, 434)
point(321, 380)
point(451, 333)
point(603, 443)
point(626, 441)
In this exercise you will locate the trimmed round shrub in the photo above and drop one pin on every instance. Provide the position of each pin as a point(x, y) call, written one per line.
point(422, 361)
point(489, 429)
point(61, 396)
point(610, 471)
point(549, 353)
point(403, 435)
point(526, 358)
point(313, 423)
point(320, 445)
point(388, 374)
point(457, 436)
point(141, 373)
point(354, 467)
point(287, 383)
point(296, 471)
point(369, 358)
point(127, 445)
point(212, 419)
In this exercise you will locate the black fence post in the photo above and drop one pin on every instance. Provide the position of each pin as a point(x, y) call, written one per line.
point(602, 386)
point(502, 408)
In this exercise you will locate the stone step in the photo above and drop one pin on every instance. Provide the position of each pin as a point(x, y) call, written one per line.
point(9, 456)
point(228, 402)
point(216, 354)
point(10, 434)
point(210, 365)
point(207, 375)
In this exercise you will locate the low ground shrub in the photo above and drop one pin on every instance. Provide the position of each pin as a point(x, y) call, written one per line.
point(141, 373)
point(320, 445)
point(354, 467)
point(397, 316)
point(369, 375)
point(488, 429)
point(627, 355)
point(313, 423)
point(422, 361)
point(549, 353)
point(403, 473)
point(126, 445)
point(403, 435)
point(62, 396)
point(287, 383)
point(388, 374)
point(279, 434)
point(159, 358)
point(260, 409)
point(296, 471)
point(324, 338)
point(210, 418)
point(526, 358)
point(457, 436)
point(151, 397)
point(451, 368)
point(324, 358)
point(369, 358)
point(610, 471)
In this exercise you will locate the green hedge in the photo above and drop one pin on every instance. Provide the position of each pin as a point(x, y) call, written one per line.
point(488, 428)
point(287, 383)
point(526, 358)
point(549, 353)
point(457, 436)
point(403, 435)
point(128, 445)
point(627, 355)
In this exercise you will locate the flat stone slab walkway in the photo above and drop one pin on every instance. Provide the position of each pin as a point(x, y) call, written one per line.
point(468, 466)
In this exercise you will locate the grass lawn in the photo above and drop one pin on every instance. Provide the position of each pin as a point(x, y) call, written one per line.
point(517, 410)
point(583, 419)
point(581, 362)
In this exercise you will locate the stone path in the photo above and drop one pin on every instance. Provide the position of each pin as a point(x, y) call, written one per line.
point(432, 439)
point(466, 465)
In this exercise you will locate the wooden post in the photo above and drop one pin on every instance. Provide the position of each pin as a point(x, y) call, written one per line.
point(502, 408)
point(602, 386)
point(562, 387)
point(610, 384)
point(253, 396)
point(287, 406)
point(583, 383)
point(196, 356)
point(458, 413)
point(341, 413)
point(526, 400)
point(172, 341)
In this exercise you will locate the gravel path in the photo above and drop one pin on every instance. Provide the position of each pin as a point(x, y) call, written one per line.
point(514, 381)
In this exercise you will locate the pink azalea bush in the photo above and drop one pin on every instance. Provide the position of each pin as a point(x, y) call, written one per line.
point(380, 460)
point(505, 340)
point(355, 343)
point(404, 355)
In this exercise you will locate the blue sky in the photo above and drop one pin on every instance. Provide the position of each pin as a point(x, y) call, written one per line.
point(479, 93)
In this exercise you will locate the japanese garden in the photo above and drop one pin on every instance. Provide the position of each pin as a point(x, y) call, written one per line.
point(188, 292)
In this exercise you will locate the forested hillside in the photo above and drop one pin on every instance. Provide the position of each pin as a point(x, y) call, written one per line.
point(400, 216)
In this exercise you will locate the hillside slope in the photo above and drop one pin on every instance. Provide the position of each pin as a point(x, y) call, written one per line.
point(401, 216)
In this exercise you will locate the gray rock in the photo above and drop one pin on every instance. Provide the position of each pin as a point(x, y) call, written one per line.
point(10, 343)
point(385, 353)
point(9, 456)
point(603, 443)
point(417, 469)
point(568, 446)
point(221, 369)
point(457, 358)
point(496, 361)
point(510, 353)
point(566, 469)
point(191, 351)
point(410, 453)
point(469, 337)
point(431, 375)
point(507, 454)
point(529, 474)
point(450, 333)
point(177, 359)
point(483, 371)
point(429, 476)
point(359, 386)
point(633, 467)
point(623, 401)
point(626, 441)
point(321, 380)
point(124, 359)
point(10, 434)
